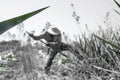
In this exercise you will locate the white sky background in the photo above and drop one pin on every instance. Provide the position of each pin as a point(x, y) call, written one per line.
point(91, 12)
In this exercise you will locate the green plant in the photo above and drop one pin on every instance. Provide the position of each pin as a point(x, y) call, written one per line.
point(7, 24)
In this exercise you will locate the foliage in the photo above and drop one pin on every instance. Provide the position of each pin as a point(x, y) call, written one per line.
point(7, 24)
point(118, 6)
point(100, 52)
point(6, 59)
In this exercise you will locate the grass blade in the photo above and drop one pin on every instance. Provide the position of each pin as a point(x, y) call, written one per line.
point(107, 42)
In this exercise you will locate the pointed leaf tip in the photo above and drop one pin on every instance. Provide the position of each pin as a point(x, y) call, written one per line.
point(117, 3)
point(7, 24)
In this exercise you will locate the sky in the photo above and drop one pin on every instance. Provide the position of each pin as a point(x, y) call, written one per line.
point(59, 14)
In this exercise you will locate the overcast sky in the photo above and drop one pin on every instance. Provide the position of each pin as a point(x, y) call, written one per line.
point(91, 12)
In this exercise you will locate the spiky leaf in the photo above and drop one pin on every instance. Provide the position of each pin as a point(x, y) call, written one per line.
point(7, 24)
point(117, 3)
point(107, 42)
point(117, 12)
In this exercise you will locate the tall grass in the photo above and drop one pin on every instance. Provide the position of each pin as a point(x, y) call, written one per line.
point(100, 52)
point(100, 60)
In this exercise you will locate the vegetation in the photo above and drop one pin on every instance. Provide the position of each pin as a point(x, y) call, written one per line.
point(100, 52)
point(7, 24)
point(101, 60)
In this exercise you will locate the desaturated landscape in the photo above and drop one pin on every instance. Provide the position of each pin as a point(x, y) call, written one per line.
point(26, 62)
point(25, 59)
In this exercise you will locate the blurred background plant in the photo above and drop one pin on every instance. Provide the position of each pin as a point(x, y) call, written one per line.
point(6, 59)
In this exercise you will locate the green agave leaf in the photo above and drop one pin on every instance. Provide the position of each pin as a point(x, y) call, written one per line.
point(117, 3)
point(107, 42)
point(7, 24)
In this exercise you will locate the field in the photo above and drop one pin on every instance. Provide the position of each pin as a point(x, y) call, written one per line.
point(100, 60)
point(100, 53)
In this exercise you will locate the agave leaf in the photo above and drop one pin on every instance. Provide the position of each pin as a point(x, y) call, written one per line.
point(116, 11)
point(107, 42)
point(117, 3)
point(7, 24)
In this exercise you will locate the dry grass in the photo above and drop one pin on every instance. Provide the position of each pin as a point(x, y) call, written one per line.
point(101, 61)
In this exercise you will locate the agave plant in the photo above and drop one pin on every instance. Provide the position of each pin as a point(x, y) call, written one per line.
point(118, 6)
point(7, 24)
point(114, 35)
